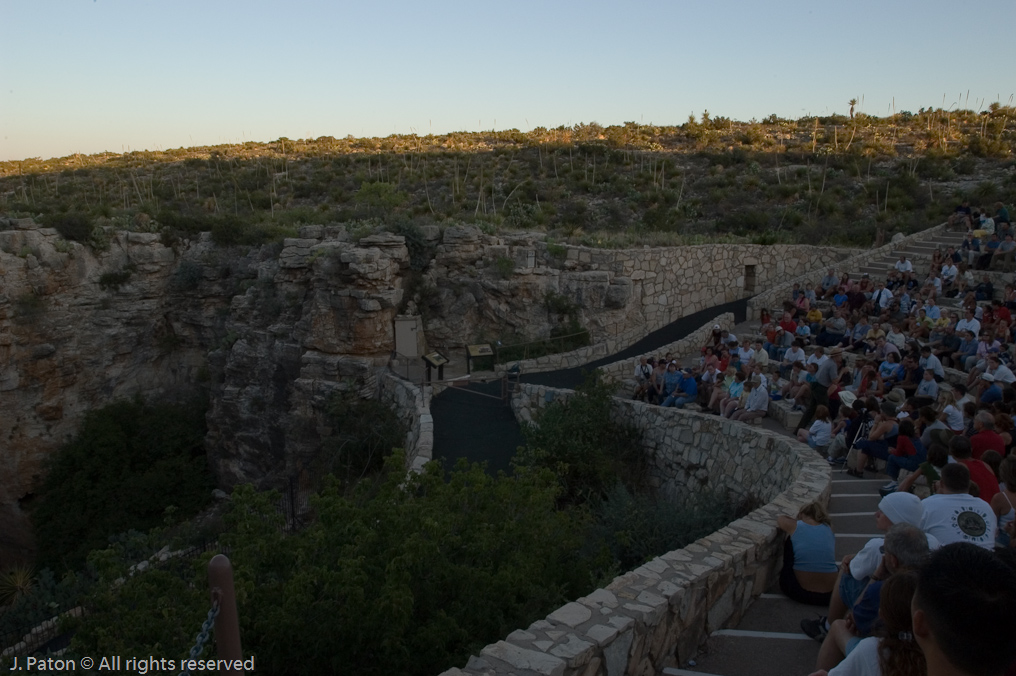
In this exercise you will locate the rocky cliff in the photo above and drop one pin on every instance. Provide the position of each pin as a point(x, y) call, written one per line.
point(270, 334)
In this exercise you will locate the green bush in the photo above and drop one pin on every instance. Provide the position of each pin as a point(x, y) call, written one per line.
point(409, 575)
point(365, 432)
point(504, 267)
point(72, 226)
point(127, 464)
point(578, 440)
point(637, 527)
point(114, 280)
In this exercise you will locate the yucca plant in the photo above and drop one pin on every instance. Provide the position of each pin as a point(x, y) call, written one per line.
point(16, 583)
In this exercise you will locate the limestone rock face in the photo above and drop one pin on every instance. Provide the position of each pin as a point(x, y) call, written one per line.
point(72, 340)
point(270, 334)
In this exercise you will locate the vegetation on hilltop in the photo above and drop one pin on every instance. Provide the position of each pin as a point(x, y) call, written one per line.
point(833, 179)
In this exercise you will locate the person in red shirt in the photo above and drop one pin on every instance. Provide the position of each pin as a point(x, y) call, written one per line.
point(985, 438)
point(1001, 311)
point(980, 473)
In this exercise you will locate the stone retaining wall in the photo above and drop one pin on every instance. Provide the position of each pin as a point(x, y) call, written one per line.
point(658, 614)
point(411, 406)
point(775, 296)
point(671, 282)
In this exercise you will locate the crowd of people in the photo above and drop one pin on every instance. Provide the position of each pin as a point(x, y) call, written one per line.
point(914, 371)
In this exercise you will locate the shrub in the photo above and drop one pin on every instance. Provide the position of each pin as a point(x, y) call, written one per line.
point(129, 462)
point(504, 267)
point(637, 527)
point(28, 307)
point(365, 432)
point(408, 575)
point(114, 280)
point(72, 226)
point(579, 441)
point(187, 277)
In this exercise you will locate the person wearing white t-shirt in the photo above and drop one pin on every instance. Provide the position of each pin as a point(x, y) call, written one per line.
point(905, 268)
point(953, 515)
point(969, 323)
point(818, 357)
point(949, 273)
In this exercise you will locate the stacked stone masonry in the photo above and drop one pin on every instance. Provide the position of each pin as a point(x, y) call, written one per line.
point(408, 401)
point(657, 615)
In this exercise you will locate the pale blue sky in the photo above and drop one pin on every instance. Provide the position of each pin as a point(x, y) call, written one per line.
point(93, 75)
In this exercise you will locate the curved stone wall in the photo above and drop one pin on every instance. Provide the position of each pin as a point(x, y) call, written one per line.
point(658, 614)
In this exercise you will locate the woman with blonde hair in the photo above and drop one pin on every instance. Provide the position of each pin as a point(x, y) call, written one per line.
point(721, 390)
point(809, 556)
point(949, 412)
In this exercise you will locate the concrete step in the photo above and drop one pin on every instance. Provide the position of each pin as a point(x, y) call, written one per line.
point(782, 411)
point(765, 654)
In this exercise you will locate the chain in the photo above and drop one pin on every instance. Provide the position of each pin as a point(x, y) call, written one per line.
point(203, 635)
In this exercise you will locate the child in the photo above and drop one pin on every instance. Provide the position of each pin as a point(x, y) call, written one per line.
point(938, 457)
point(820, 432)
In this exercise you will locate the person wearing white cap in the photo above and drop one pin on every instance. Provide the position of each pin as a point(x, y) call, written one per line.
point(857, 569)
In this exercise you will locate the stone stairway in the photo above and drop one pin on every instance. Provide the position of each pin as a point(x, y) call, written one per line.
point(768, 640)
point(919, 254)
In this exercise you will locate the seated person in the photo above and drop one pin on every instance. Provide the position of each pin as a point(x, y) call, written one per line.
point(952, 497)
point(686, 391)
point(809, 556)
point(905, 548)
point(892, 642)
point(908, 453)
point(833, 331)
point(964, 612)
point(820, 432)
point(756, 405)
point(1003, 255)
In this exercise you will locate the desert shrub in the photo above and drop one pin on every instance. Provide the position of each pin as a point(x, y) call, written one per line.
point(28, 307)
point(578, 440)
point(504, 267)
point(73, 226)
point(637, 526)
point(187, 276)
point(408, 575)
point(129, 462)
point(114, 280)
point(420, 251)
point(365, 432)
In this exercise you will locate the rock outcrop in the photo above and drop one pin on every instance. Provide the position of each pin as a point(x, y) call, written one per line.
point(271, 334)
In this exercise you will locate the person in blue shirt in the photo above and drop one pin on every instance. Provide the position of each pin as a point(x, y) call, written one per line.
point(809, 556)
point(684, 393)
point(671, 381)
point(840, 298)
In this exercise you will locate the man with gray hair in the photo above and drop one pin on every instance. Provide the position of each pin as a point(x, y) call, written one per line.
point(985, 438)
point(906, 548)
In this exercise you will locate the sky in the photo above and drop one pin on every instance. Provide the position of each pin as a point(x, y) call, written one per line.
point(87, 76)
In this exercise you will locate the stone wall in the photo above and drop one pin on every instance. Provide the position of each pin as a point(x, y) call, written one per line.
point(775, 295)
point(410, 403)
point(657, 615)
point(619, 295)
